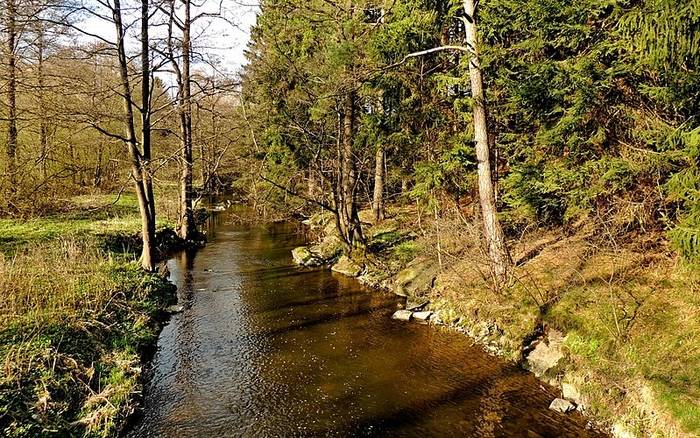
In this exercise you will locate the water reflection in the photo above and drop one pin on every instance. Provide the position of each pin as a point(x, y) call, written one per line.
point(267, 349)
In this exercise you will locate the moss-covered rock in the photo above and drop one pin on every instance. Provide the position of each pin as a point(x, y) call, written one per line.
point(347, 266)
point(417, 278)
point(305, 257)
point(328, 250)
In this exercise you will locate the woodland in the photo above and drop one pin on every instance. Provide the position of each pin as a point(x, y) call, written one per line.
point(543, 154)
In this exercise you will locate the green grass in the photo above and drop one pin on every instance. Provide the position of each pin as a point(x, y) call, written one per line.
point(76, 316)
point(639, 331)
point(93, 215)
point(682, 406)
point(74, 322)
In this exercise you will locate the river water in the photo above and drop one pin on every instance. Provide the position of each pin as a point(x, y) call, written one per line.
point(266, 349)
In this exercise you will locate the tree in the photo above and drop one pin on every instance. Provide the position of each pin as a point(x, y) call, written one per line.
point(181, 66)
point(495, 239)
point(139, 157)
point(379, 184)
point(11, 29)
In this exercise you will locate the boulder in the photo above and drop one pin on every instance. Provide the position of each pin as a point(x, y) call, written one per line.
point(347, 266)
point(546, 354)
point(305, 257)
point(417, 304)
point(328, 250)
point(417, 279)
point(570, 392)
point(402, 315)
point(422, 316)
point(561, 405)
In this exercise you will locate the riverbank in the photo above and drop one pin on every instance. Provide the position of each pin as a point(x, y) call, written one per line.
point(78, 318)
point(612, 321)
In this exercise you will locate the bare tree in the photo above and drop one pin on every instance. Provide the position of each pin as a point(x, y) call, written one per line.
point(11, 46)
point(181, 64)
point(139, 158)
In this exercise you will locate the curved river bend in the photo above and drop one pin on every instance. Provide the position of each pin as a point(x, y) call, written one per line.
point(266, 349)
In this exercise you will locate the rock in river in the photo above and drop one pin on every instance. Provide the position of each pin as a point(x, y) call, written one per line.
point(402, 315)
point(417, 304)
point(546, 354)
point(175, 308)
point(347, 266)
point(561, 405)
point(422, 316)
point(304, 257)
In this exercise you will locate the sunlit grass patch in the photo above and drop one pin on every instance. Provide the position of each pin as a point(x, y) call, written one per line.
point(88, 215)
point(74, 321)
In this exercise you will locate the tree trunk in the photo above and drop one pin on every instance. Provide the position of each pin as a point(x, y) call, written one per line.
point(352, 229)
point(497, 249)
point(146, 177)
point(137, 168)
point(11, 29)
point(379, 184)
point(43, 122)
point(187, 225)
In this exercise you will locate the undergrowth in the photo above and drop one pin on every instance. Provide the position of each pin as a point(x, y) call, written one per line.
point(77, 316)
point(628, 306)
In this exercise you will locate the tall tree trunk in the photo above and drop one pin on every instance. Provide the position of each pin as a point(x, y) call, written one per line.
point(497, 249)
point(146, 177)
point(352, 228)
point(379, 184)
point(187, 224)
point(11, 29)
point(346, 200)
point(137, 168)
point(43, 122)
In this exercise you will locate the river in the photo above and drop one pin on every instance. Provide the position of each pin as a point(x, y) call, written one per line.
point(267, 349)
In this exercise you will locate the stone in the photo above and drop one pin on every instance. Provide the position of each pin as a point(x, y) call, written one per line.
point(402, 315)
point(435, 318)
point(561, 405)
point(329, 249)
point(570, 392)
point(417, 279)
point(175, 308)
point(422, 316)
point(417, 304)
point(546, 354)
point(304, 257)
point(347, 266)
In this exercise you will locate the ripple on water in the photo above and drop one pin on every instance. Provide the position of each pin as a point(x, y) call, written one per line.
point(267, 349)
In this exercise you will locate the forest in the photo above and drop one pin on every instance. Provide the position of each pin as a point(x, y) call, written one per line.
point(525, 173)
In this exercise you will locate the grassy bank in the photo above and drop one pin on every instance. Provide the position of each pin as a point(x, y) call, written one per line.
point(629, 309)
point(76, 317)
